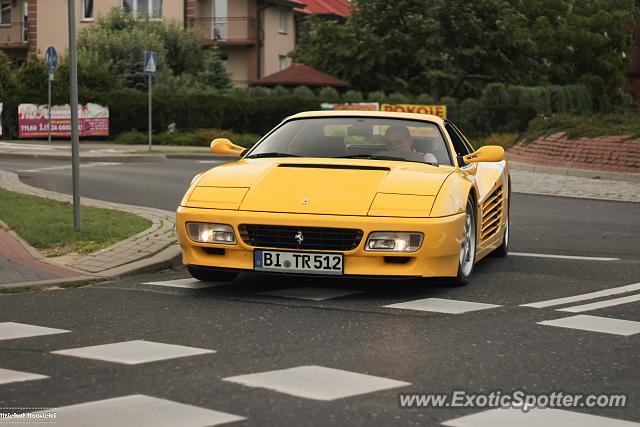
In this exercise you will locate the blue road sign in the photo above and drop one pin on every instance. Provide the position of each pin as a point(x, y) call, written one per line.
point(51, 59)
point(150, 62)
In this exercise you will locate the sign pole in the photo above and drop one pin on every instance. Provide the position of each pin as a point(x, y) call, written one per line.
point(49, 113)
point(51, 62)
point(73, 85)
point(150, 114)
point(150, 68)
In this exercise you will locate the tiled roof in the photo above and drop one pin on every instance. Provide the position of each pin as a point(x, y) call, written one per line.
point(300, 75)
point(340, 8)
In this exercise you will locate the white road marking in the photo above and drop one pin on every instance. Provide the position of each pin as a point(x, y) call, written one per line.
point(64, 167)
point(606, 325)
point(440, 305)
point(601, 304)
point(133, 352)
point(317, 382)
point(208, 162)
point(11, 330)
point(8, 376)
point(310, 293)
point(534, 418)
point(140, 410)
point(35, 147)
point(582, 297)
point(585, 258)
point(186, 283)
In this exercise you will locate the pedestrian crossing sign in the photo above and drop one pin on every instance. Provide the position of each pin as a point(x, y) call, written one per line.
point(150, 62)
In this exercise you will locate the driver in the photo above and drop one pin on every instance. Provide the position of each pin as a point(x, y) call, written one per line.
point(399, 141)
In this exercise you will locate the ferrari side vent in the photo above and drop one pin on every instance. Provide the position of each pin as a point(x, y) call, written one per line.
point(491, 214)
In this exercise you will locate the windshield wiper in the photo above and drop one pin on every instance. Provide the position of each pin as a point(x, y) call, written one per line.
point(370, 156)
point(376, 157)
point(270, 154)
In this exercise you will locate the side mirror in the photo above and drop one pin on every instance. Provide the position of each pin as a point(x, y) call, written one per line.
point(224, 146)
point(488, 153)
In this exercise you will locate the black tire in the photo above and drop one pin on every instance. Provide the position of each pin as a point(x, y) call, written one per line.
point(466, 266)
point(205, 274)
point(503, 250)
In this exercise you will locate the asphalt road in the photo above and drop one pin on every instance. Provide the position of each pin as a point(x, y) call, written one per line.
point(501, 346)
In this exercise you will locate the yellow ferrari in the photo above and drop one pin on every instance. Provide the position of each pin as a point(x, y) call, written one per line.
point(349, 193)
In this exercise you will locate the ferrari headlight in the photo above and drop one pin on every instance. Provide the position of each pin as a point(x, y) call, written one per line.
point(389, 241)
point(204, 232)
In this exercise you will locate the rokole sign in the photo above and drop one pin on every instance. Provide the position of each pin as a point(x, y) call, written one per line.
point(93, 120)
point(436, 110)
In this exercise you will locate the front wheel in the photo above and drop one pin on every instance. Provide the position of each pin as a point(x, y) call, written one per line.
point(502, 250)
point(467, 247)
point(205, 274)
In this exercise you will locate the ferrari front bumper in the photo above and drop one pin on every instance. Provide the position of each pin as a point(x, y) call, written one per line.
point(437, 257)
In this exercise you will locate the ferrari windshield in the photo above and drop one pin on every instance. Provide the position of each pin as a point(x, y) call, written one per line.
point(376, 138)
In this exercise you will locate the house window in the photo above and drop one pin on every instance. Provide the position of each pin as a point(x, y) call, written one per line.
point(283, 21)
point(5, 13)
point(152, 8)
point(283, 62)
point(87, 10)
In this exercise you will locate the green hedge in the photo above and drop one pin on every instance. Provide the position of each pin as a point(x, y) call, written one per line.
point(128, 111)
point(500, 108)
point(503, 108)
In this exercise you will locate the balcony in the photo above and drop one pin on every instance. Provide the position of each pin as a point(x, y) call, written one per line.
point(13, 35)
point(226, 31)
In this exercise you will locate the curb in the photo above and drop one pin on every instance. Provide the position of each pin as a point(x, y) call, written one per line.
point(582, 173)
point(151, 250)
point(41, 284)
point(125, 158)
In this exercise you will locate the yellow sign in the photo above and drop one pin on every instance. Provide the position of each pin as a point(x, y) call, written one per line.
point(436, 110)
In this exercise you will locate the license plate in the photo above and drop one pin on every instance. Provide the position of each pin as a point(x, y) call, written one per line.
point(297, 262)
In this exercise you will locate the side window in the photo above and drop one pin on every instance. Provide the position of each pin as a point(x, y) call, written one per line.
point(458, 143)
point(464, 138)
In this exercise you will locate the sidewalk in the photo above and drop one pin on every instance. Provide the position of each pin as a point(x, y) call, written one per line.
point(152, 249)
point(19, 264)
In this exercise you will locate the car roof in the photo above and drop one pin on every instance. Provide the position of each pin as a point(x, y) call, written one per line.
point(356, 113)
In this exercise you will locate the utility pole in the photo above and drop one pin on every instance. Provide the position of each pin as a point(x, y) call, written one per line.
point(73, 101)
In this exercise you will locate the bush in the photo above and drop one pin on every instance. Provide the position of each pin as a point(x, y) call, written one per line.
point(132, 138)
point(328, 94)
point(259, 92)
point(352, 96)
point(303, 92)
point(425, 98)
point(377, 96)
point(397, 98)
point(280, 91)
point(504, 140)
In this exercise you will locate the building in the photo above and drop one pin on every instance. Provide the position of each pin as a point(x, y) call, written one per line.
point(300, 75)
point(327, 9)
point(254, 36)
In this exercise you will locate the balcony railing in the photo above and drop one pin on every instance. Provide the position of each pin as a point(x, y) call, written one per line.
point(225, 30)
point(13, 34)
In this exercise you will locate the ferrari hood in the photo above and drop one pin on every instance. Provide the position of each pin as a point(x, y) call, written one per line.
point(321, 186)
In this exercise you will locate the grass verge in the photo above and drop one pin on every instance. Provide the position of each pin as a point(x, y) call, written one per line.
point(590, 126)
point(47, 225)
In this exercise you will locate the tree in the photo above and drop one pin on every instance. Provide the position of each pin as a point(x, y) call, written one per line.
point(31, 80)
point(7, 77)
point(456, 47)
point(121, 38)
